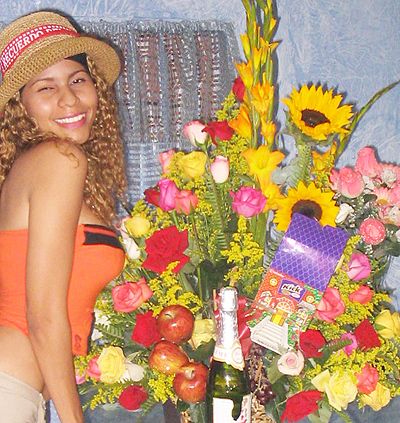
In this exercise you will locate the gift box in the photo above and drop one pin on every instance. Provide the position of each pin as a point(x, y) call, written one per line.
point(296, 281)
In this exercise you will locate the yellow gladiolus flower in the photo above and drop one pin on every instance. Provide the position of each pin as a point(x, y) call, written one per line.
point(268, 130)
point(257, 54)
point(242, 124)
point(138, 225)
point(246, 73)
point(320, 160)
point(263, 95)
point(111, 363)
point(273, 194)
point(388, 324)
point(378, 398)
point(246, 44)
point(262, 162)
point(193, 164)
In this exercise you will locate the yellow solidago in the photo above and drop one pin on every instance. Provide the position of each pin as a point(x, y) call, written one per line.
point(162, 386)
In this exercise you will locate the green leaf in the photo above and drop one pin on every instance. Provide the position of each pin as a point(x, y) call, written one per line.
point(198, 412)
point(273, 373)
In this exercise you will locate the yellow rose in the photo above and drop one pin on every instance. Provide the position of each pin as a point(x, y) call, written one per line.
point(340, 388)
point(193, 164)
point(203, 332)
point(387, 324)
point(378, 398)
point(111, 364)
point(138, 225)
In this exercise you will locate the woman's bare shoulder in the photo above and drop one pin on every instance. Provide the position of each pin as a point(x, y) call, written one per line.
point(54, 157)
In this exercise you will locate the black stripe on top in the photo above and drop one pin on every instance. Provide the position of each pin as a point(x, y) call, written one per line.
point(96, 238)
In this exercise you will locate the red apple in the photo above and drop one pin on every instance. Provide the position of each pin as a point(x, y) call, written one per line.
point(175, 323)
point(167, 357)
point(190, 382)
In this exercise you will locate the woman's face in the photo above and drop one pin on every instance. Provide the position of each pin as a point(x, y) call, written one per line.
point(63, 100)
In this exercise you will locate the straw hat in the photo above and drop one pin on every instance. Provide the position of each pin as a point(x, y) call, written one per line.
point(36, 41)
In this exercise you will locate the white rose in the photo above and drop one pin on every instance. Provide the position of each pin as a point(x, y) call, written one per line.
point(132, 249)
point(193, 132)
point(100, 319)
point(344, 211)
point(291, 363)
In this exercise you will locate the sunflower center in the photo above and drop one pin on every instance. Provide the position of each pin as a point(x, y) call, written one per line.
point(308, 208)
point(313, 118)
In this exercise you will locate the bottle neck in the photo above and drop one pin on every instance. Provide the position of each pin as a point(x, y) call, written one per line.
point(227, 329)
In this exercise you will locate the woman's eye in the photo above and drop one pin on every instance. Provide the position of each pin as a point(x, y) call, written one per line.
point(44, 88)
point(78, 80)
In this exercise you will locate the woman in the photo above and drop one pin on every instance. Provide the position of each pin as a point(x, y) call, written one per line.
point(61, 168)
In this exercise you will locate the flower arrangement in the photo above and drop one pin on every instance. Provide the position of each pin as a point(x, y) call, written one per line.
point(207, 223)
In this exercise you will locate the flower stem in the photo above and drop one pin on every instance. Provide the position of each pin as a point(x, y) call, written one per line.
point(220, 214)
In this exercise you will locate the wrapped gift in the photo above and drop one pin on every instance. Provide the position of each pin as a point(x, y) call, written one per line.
point(296, 281)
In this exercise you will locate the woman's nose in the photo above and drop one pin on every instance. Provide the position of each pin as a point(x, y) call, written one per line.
point(67, 97)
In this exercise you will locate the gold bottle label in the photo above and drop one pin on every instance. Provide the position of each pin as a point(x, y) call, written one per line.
point(222, 410)
point(232, 356)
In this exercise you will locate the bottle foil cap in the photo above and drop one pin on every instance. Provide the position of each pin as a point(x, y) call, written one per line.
point(228, 299)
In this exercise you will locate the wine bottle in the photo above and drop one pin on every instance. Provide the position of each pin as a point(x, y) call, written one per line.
point(228, 397)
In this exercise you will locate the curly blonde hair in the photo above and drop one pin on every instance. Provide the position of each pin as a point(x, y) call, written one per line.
point(106, 180)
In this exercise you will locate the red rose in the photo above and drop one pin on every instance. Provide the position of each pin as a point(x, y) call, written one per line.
point(133, 397)
point(301, 405)
point(238, 88)
point(221, 130)
point(164, 247)
point(366, 335)
point(311, 341)
point(152, 196)
point(145, 331)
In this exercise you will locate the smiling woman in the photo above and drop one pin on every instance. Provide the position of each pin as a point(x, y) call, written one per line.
point(60, 175)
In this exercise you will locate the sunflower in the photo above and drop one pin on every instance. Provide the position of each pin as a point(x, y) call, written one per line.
point(317, 114)
point(307, 200)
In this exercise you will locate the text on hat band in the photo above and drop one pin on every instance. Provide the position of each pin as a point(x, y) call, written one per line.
point(14, 49)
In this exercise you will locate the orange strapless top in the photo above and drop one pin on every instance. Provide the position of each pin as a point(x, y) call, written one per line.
point(98, 258)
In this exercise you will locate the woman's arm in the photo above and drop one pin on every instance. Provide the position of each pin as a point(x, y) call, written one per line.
point(55, 202)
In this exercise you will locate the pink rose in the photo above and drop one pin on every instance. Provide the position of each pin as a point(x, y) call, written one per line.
point(359, 267)
point(168, 192)
point(334, 179)
point(372, 231)
point(79, 379)
point(131, 295)
point(248, 201)
point(291, 363)
point(165, 159)
point(362, 295)
point(193, 131)
point(348, 349)
point(330, 306)
point(367, 379)
point(186, 201)
point(351, 183)
point(93, 369)
point(219, 169)
point(366, 163)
